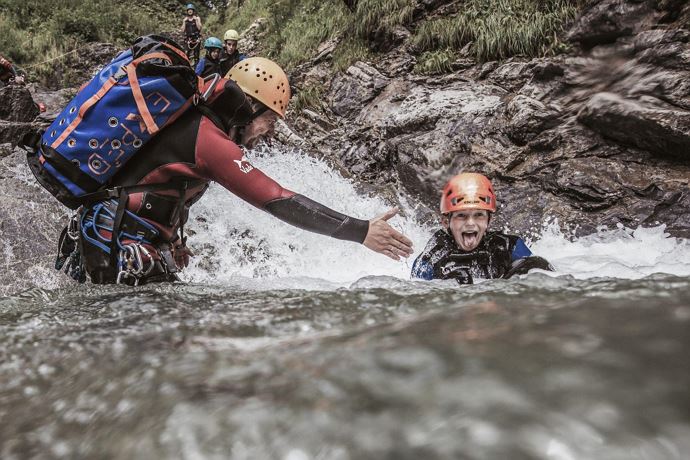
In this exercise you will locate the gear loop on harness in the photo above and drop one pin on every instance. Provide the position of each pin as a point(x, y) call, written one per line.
point(134, 261)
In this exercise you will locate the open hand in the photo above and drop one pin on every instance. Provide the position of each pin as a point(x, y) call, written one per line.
point(385, 240)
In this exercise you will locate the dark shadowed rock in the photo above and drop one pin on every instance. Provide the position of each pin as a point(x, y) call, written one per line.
point(606, 21)
point(13, 131)
point(16, 104)
point(664, 48)
point(662, 131)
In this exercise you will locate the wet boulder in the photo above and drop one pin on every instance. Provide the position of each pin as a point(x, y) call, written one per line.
point(663, 131)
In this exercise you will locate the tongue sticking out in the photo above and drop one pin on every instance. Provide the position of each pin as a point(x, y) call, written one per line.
point(469, 240)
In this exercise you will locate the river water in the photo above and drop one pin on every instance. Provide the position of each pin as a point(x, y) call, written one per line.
point(287, 345)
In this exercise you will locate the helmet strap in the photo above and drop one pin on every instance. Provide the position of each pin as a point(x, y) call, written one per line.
point(257, 113)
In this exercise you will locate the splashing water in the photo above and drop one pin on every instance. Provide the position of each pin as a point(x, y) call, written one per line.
point(618, 253)
point(237, 241)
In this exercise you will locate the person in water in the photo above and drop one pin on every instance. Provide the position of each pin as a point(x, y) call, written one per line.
point(464, 249)
point(203, 145)
point(210, 63)
point(231, 54)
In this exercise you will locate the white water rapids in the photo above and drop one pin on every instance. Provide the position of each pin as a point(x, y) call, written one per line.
point(235, 241)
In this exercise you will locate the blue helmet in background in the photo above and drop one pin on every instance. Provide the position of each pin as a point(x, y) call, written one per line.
point(190, 6)
point(213, 42)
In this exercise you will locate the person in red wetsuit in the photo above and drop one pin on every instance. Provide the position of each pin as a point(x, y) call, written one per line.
point(204, 145)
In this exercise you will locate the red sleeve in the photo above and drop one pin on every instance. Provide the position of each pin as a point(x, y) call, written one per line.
point(222, 161)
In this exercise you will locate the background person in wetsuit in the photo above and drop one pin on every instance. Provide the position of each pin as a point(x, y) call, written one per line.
point(187, 155)
point(210, 63)
point(191, 27)
point(464, 250)
point(231, 54)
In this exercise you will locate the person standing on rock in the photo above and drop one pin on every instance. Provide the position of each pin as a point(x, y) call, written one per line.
point(231, 54)
point(9, 73)
point(463, 249)
point(210, 63)
point(191, 28)
point(203, 145)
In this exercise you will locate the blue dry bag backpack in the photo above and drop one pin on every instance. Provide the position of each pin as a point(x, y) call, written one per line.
point(141, 91)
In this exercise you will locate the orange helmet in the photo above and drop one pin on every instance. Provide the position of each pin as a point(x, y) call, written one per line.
point(468, 191)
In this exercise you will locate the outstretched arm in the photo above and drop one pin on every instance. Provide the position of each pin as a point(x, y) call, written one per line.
point(223, 161)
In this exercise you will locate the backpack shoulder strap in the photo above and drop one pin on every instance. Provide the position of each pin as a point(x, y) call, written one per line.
point(211, 115)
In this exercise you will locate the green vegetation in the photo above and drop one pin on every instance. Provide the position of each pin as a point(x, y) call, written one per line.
point(381, 16)
point(350, 51)
point(433, 62)
point(36, 31)
point(294, 29)
point(310, 97)
point(497, 29)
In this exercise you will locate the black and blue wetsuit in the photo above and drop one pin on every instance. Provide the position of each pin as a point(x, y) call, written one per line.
point(495, 256)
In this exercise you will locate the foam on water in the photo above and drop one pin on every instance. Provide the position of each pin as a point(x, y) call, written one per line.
point(236, 241)
point(618, 253)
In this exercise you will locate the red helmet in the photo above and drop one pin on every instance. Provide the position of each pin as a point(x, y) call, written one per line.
point(468, 191)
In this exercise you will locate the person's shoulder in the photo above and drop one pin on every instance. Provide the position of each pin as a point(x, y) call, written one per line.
point(496, 235)
point(514, 243)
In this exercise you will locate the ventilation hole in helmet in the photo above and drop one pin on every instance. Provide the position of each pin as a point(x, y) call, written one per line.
point(258, 69)
point(274, 102)
point(270, 76)
point(256, 91)
point(283, 90)
point(246, 70)
point(277, 87)
point(265, 79)
point(264, 72)
point(258, 75)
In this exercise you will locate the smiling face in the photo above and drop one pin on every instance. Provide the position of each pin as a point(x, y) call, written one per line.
point(214, 53)
point(468, 227)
